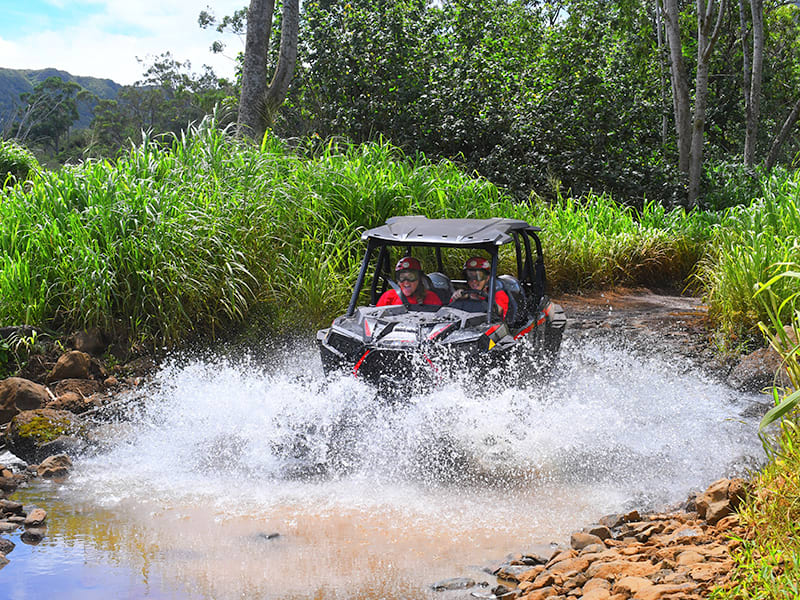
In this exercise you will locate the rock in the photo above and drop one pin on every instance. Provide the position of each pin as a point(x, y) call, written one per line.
point(579, 540)
point(81, 387)
point(3, 561)
point(34, 435)
point(8, 527)
point(689, 557)
point(33, 536)
point(621, 568)
point(512, 572)
point(541, 594)
point(35, 518)
point(70, 402)
point(593, 549)
point(55, 466)
point(599, 530)
point(6, 546)
point(596, 594)
point(631, 585)
point(659, 591)
point(18, 394)
point(720, 499)
point(71, 365)
point(10, 483)
point(456, 583)
point(9, 507)
point(761, 368)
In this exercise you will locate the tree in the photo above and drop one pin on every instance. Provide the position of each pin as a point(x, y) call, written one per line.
point(49, 111)
point(752, 76)
point(167, 98)
point(691, 134)
point(259, 101)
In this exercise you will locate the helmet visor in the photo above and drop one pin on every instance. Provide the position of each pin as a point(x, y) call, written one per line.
point(476, 274)
point(407, 276)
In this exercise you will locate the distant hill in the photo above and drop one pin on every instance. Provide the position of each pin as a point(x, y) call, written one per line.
point(14, 82)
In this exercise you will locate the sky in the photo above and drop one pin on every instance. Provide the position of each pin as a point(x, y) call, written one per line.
point(103, 38)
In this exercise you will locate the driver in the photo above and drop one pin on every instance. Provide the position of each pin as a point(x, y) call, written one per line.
point(408, 273)
point(476, 272)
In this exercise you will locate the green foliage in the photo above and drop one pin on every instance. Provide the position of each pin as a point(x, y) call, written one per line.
point(49, 111)
point(209, 231)
point(750, 240)
point(165, 101)
point(767, 560)
point(783, 338)
point(16, 162)
point(530, 100)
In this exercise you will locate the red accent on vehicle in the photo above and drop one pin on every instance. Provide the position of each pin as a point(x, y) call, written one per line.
point(358, 364)
point(437, 332)
point(491, 330)
point(525, 331)
point(366, 328)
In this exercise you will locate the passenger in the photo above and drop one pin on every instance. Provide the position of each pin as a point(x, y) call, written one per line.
point(408, 273)
point(476, 272)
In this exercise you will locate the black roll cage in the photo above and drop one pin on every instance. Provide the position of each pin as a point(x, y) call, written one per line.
point(530, 269)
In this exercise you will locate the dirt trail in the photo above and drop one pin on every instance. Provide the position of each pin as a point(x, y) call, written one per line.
point(676, 325)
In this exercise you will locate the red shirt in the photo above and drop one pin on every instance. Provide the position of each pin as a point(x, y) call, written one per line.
point(501, 299)
point(390, 297)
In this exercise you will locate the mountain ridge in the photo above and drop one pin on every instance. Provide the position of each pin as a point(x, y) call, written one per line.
point(14, 82)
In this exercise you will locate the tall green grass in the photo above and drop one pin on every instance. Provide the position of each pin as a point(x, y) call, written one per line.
point(744, 250)
point(203, 231)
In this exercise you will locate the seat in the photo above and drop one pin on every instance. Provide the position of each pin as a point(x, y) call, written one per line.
point(441, 285)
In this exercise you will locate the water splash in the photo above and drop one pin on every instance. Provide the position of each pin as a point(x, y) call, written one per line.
point(375, 499)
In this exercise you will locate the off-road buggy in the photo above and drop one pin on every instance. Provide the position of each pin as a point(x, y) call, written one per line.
point(420, 344)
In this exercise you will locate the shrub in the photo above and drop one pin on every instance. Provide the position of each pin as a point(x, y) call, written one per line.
point(16, 162)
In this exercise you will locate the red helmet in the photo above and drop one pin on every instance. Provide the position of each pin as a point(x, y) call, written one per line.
point(408, 263)
point(477, 262)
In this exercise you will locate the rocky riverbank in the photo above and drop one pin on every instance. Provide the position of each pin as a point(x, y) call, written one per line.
point(681, 554)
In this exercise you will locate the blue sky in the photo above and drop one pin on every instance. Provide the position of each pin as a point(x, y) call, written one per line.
point(103, 38)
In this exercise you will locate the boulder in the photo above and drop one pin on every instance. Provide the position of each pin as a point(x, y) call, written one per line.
point(761, 368)
point(70, 401)
point(33, 435)
point(720, 499)
point(17, 394)
point(82, 387)
point(579, 540)
point(55, 466)
point(6, 546)
point(36, 518)
point(71, 365)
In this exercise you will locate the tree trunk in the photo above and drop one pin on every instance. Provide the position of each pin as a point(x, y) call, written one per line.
point(706, 39)
point(252, 114)
point(680, 85)
point(259, 102)
point(779, 140)
point(662, 78)
point(753, 100)
point(287, 58)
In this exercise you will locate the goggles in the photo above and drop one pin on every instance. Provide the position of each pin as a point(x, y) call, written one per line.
point(407, 276)
point(477, 274)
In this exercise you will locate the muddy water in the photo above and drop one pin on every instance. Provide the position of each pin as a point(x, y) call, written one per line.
point(239, 480)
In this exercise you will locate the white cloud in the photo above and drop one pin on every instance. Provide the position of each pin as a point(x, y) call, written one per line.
point(106, 44)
